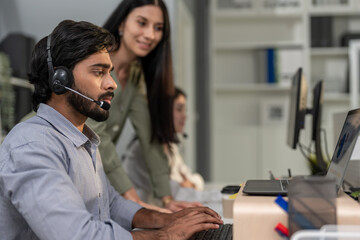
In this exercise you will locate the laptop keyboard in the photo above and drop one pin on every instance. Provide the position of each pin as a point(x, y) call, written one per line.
point(224, 232)
point(284, 184)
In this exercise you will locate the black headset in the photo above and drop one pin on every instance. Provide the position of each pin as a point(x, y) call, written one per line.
point(59, 77)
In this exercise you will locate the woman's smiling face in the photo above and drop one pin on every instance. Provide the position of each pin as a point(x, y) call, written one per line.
point(142, 30)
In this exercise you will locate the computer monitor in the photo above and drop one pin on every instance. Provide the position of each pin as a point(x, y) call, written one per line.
point(297, 109)
point(316, 112)
point(297, 112)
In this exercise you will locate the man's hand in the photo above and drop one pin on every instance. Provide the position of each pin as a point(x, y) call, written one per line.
point(193, 220)
point(182, 225)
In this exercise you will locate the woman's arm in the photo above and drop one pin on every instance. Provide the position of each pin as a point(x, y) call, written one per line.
point(132, 195)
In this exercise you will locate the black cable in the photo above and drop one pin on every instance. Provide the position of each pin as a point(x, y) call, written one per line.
point(310, 146)
point(301, 147)
point(308, 149)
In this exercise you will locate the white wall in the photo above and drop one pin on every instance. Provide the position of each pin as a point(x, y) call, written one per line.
point(184, 69)
point(37, 18)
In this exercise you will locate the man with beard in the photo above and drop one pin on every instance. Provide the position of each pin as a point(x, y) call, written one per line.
point(52, 182)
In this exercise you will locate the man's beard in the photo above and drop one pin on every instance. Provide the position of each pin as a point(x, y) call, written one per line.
point(86, 107)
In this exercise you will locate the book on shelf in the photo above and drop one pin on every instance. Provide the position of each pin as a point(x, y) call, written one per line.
point(271, 71)
point(267, 72)
point(278, 65)
point(237, 4)
point(281, 4)
point(329, 2)
point(321, 31)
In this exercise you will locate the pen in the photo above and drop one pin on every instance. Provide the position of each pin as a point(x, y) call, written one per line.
point(282, 203)
point(282, 231)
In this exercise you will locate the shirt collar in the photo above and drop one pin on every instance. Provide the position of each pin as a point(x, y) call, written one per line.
point(65, 127)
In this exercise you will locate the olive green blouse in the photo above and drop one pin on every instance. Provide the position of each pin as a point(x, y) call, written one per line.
point(131, 102)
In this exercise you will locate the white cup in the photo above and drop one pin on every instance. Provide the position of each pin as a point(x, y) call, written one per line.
point(227, 205)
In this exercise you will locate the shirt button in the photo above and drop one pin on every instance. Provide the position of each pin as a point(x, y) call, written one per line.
point(115, 128)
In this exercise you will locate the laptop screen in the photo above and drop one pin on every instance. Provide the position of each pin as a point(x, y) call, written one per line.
point(344, 147)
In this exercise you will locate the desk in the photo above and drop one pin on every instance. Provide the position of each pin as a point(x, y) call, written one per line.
point(255, 217)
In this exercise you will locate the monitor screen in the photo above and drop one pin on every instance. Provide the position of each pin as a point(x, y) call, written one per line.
point(316, 112)
point(344, 147)
point(297, 109)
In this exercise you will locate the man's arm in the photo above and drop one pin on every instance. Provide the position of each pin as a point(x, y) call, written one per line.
point(43, 193)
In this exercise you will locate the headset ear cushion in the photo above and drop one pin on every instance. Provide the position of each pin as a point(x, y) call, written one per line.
point(62, 77)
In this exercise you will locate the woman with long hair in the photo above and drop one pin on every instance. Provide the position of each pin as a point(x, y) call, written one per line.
point(143, 70)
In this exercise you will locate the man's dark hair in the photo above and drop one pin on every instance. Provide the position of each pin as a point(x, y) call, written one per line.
point(71, 42)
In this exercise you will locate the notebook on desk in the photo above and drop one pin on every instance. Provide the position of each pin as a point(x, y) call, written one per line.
point(337, 169)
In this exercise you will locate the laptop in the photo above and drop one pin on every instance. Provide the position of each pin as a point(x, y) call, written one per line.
point(337, 169)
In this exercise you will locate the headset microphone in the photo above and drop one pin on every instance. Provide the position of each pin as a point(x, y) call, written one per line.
point(102, 104)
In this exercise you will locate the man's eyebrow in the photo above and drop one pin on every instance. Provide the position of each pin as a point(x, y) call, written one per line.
point(103, 65)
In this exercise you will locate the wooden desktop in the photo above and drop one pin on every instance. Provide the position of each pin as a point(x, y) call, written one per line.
point(255, 217)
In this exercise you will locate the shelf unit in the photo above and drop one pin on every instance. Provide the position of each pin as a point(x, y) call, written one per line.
point(245, 140)
point(17, 82)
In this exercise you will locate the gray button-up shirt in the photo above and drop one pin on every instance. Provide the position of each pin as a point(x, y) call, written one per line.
point(53, 186)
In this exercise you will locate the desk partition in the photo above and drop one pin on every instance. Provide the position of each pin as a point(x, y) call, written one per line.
point(255, 217)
